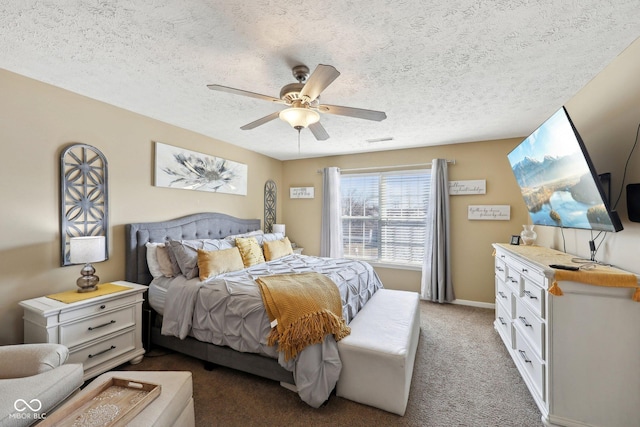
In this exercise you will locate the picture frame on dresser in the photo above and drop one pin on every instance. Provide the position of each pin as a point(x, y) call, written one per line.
point(515, 239)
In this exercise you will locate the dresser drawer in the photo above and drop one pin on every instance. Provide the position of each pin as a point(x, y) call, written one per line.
point(533, 295)
point(531, 365)
point(104, 350)
point(103, 306)
point(501, 268)
point(503, 325)
point(72, 334)
point(503, 294)
point(513, 279)
point(531, 326)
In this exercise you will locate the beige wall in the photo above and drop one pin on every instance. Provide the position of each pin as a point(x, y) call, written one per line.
point(36, 121)
point(472, 264)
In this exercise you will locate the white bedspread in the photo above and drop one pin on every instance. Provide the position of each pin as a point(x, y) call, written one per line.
point(228, 310)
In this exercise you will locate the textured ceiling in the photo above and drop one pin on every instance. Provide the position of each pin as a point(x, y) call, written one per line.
point(443, 71)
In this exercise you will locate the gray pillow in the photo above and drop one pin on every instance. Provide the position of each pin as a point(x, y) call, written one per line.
point(185, 253)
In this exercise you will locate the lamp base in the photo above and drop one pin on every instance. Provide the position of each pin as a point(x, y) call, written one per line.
point(88, 282)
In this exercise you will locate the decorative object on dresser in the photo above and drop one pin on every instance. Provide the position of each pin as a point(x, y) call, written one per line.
point(85, 250)
point(578, 352)
point(101, 331)
point(84, 196)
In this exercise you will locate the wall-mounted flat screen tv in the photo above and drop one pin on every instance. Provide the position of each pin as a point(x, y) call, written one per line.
point(557, 179)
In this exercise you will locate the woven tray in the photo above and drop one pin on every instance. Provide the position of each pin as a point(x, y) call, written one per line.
point(114, 403)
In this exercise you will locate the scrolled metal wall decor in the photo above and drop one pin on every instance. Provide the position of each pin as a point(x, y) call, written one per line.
point(270, 198)
point(83, 196)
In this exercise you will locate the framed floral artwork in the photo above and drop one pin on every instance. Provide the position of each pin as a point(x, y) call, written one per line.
point(189, 170)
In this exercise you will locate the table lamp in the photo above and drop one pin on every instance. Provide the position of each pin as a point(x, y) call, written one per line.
point(278, 228)
point(85, 250)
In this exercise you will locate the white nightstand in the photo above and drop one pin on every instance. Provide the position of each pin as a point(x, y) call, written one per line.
point(101, 332)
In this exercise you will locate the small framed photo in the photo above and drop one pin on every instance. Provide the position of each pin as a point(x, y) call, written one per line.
point(515, 240)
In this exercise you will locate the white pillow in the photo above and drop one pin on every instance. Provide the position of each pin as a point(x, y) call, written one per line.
point(152, 259)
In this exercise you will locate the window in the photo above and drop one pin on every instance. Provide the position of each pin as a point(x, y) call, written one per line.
point(384, 214)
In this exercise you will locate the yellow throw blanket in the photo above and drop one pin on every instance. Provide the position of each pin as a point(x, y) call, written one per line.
point(600, 276)
point(306, 306)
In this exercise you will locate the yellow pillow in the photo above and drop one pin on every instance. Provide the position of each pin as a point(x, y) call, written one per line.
point(250, 251)
point(213, 263)
point(277, 249)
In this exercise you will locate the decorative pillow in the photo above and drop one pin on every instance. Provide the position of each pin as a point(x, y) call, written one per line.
point(164, 261)
point(186, 253)
point(232, 239)
point(269, 237)
point(152, 258)
point(250, 251)
point(277, 249)
point(213, 263)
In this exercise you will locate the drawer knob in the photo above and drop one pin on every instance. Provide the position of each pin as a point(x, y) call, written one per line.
point(524, 270)
point(102, 307)
point(502, 294)
point(530, 295)
point(91, 328)
point(524, 356)
point(502, 320)
point(524, 321)
point(101, 352)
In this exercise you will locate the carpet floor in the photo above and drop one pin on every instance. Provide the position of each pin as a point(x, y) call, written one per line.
point(463, 376)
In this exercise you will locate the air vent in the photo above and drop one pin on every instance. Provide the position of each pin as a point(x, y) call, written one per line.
point(384, 139)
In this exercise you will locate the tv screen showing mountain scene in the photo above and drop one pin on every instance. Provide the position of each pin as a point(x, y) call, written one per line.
point(557, 182)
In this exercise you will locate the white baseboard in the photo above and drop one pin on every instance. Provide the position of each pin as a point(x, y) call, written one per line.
point(474, 303)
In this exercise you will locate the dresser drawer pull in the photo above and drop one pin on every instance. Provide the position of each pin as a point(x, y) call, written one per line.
point(530, 295)
point(102, 307)
point(524, 321)
point(524, 270)
point(502, 294)
point(102, 352)
point(524, 356)
point(502, 320)
point(91, 328)
point(500, 269)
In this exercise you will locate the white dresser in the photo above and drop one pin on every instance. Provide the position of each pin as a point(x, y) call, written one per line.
point(101, 332)
point(578, 353)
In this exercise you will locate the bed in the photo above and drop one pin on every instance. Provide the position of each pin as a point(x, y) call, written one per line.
point(192, 327)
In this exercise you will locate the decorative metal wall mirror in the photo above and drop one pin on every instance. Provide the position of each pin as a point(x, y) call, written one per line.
point(83, 196)
point(270, 198)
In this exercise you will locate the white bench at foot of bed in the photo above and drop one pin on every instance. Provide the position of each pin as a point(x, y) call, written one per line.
point(378, 356)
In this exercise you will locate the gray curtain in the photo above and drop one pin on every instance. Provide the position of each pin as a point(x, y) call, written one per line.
point(331, 237)
point(436, 268)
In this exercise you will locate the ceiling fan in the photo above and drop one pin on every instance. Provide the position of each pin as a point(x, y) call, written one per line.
point(302, 101)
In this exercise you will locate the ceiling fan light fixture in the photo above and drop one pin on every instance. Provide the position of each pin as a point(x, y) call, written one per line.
point(299, 117)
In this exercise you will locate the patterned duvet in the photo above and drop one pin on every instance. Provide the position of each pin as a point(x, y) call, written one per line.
point(228, 310)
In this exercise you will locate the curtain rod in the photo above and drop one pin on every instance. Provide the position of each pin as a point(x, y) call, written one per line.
point(453, 162)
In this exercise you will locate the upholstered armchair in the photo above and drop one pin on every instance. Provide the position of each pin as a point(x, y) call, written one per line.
point(34, 379)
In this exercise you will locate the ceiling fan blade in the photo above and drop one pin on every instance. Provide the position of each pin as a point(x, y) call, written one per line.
point(261, 121)
point(318, 81)
point(359, 113)
point(245, 93)
point(318, 131)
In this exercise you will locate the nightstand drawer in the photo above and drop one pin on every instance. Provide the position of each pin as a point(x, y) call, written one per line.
point(104, 350)
point(83, 331)
point(117, 301)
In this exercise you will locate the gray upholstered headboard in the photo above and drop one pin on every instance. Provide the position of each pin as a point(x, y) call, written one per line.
point(208, 225)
